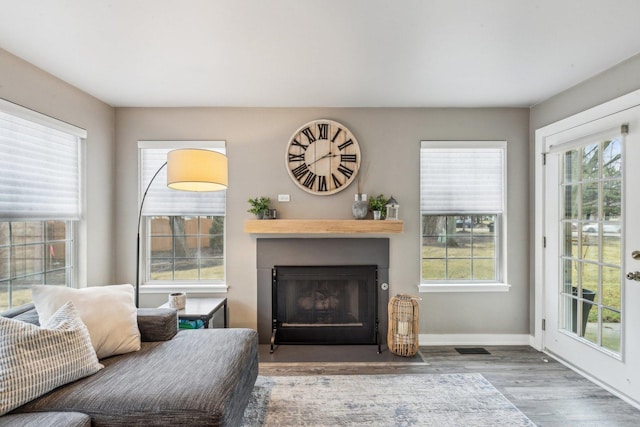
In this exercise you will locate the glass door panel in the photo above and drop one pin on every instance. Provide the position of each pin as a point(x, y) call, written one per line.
point(591, 202)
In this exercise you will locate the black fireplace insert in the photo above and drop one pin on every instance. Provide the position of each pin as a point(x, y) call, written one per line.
point(324, 305)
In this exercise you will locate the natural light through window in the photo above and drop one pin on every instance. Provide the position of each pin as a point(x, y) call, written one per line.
point(591, 200)
point(462, 189)
point(40, 202)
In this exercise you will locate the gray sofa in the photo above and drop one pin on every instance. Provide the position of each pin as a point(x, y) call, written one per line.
point(189, 378)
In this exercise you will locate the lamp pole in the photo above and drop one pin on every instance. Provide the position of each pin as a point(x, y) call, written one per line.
point(144, 196)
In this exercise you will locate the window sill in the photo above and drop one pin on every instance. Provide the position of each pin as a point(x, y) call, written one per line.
point(155, 288)
point(463, 287)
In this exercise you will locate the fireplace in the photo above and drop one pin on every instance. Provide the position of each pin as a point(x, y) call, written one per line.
point(326, 252)
point(324, 305)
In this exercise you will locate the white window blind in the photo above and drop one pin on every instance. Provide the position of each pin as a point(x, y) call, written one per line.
point(461, 178)
point(161, 200)
point(39, 167)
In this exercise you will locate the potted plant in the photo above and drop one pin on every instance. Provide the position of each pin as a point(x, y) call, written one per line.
point(259, 206)
point(377, 205)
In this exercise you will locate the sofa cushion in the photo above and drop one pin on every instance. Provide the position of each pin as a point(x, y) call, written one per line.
point(46, 419)
point(199, 378)
point(108, 311)
point(26, 313)
point(35, 360)
point(30, 316)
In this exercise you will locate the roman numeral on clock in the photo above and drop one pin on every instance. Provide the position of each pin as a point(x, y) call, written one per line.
point(322, 183)
point(297, 157)
point(336, 135)
point(311, 179)
point(309, 134)
point(336, 181)
point(298, 144)
point(348, 158)
point(345, 171)
point(323, 130)
point(345, 144)
point(300, 171)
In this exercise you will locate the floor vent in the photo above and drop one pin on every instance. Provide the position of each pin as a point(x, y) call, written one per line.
point(472, 350)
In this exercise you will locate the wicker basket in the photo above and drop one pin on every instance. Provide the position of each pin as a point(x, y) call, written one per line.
point(402, 337)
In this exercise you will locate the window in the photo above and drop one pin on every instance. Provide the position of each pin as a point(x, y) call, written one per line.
point(39, 202)
point(462, 191)
point(184, 231)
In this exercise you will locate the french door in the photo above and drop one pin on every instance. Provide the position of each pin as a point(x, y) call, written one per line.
point(592, 230)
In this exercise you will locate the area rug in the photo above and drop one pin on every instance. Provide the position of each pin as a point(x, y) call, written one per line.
point(380, 400)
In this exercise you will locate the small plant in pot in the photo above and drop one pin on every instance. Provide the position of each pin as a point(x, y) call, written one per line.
point(377, 205)
point(259, 206)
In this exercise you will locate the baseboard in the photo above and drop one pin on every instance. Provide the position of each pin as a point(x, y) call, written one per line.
point(474, 339)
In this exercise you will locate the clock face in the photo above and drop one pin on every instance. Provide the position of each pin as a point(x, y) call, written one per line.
point(323, 157)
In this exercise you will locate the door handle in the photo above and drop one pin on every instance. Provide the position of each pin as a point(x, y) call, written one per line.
point(635, 255)
point(634, 275)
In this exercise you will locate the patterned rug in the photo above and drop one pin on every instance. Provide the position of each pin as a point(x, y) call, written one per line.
point(380, 400)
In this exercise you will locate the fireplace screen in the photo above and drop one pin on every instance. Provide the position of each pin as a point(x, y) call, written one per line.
point(324, 305)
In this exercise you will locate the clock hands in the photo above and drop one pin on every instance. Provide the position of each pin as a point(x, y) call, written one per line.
point(329, 154)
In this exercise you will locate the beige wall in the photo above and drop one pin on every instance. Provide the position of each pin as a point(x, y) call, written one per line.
point(390, 141)
point(26, 85)
point(256, 140)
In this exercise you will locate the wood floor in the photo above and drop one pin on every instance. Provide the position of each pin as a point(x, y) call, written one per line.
point(545, 390)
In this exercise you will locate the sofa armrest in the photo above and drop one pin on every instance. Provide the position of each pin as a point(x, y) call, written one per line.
point(157, 324)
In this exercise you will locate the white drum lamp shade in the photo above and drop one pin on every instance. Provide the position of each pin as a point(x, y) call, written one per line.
point(192, 169)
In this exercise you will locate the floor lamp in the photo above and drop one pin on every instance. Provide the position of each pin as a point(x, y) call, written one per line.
point(188, 169)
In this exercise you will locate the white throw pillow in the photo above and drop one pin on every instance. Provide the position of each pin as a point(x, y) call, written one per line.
point(108, 312)
point(35, 360)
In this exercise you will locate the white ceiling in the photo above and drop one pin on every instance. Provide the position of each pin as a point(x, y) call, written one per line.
point(332, 53)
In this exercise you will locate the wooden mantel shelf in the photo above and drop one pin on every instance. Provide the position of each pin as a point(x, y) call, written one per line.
point(322, 226)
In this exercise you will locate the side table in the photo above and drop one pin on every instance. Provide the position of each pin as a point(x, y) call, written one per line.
point(202, 309)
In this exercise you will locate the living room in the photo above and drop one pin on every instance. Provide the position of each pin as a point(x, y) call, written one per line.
point(256, 131)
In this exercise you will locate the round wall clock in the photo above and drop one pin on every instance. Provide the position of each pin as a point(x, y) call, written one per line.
point(323, 157)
